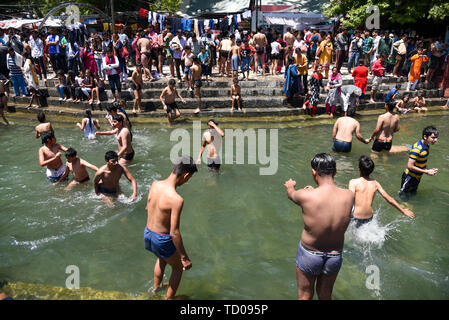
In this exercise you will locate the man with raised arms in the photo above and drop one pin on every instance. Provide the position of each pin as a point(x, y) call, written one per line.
point(50, 156)
point(78, 167)
point(342, 133)
point(365, 188)
point(125, 149)
point(326, 212)
point(106, 180)
point(387, 125)
point(162, 235)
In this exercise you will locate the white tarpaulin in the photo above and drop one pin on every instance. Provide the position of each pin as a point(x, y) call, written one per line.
point(299, 21)
point(28, 23)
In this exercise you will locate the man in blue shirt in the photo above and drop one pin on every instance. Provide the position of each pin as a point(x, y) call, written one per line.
point(53, 49)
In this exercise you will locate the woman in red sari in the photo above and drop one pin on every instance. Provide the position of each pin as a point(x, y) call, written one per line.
point(88, 58)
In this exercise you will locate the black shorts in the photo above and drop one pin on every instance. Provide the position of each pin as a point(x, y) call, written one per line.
point(224, 54)
point(260, 50)
point(171, 107)
point(198, 83)
point(275, 56)
point(379, 146)
point(212, 164)
point(2, 95)
point(409, 185)
point(133, 86)
point(128, 156)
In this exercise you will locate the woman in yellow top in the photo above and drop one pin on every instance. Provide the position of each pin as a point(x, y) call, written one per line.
point(302, 67)
point(324, 56)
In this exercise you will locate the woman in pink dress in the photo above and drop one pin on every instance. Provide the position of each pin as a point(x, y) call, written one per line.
point(88, 58)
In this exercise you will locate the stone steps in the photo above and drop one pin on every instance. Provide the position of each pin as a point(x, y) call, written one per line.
point(433, 103)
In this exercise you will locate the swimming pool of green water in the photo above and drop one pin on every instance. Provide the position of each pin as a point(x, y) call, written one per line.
point(239, 229)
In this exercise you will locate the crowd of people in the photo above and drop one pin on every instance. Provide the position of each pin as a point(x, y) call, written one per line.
point(82, 62)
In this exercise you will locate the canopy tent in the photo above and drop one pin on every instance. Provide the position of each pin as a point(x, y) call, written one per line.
point(193, 8)
point(299, 21)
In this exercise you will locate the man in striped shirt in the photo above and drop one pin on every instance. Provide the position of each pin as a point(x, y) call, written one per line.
point(15, 63)
point(417, 163)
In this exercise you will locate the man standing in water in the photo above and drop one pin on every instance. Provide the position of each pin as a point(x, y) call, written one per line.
point(342, 133)
point(417, 163)
point(326, 212)
point(212, 137)
point(125, 149)
point(162, 235)
point(387, 125)
point(50, 156)
point(365, 188)
point(106, 180)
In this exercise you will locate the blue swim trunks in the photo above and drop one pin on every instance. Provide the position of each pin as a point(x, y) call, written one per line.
point(341, 146)
point(160, 244)
point(316, 263)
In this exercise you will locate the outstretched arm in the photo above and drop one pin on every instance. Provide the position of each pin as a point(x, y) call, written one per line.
point(203, 146)
point(376, 131)
point(358, 135)
point(88, 165)
point(129, 176)
point(295, 195)
point(176, 234)
point(106, 133)
point(393, 202)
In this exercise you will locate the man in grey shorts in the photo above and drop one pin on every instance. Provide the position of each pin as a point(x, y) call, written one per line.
point(326, 212)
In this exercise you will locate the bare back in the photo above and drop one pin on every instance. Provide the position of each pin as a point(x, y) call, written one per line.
point(389, 124)
point(364, 190)
point(40, 128)
point(159, 206)
point(346, 126)
point(326, 212)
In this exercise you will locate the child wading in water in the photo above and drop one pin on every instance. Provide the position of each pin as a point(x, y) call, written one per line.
point(87, 124)
point(168, 97)
point(235, 94)
point(136, 85)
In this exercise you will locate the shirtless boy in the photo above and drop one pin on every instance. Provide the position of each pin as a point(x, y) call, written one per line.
point(77, 166)
point(401, 105)
point(387, 125)
point(125, 149)
point(168, 97)
point(187, 57)
point(3, 101)
point(50, 156)
point(114, 110)
point(365, 188)
point(261, 42)
point(235, 94)
point(419, 103)
point(162, 235)
point(106, 180)
point(342, 133)
point(212, 138)
point(42, 126)
point(144, 47)
point(326, 212)
point(236, 58)
point(136, 85)
point(196, 82)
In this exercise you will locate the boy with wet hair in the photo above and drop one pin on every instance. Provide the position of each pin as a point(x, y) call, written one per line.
point(162, 235)
point(365, 188)
point(50, 156)
point(326, 212)
point(167, 97)
point(43, 125)
point(106, 180)
point(77, 166)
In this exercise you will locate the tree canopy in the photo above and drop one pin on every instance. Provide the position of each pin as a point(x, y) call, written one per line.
point(395, 11)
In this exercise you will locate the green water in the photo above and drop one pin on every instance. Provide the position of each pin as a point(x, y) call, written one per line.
point(239, 229)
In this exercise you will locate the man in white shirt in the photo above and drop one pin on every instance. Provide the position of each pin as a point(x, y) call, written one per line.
point(37, 53)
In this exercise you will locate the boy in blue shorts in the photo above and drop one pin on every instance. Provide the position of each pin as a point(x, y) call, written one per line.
point(162, 235)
